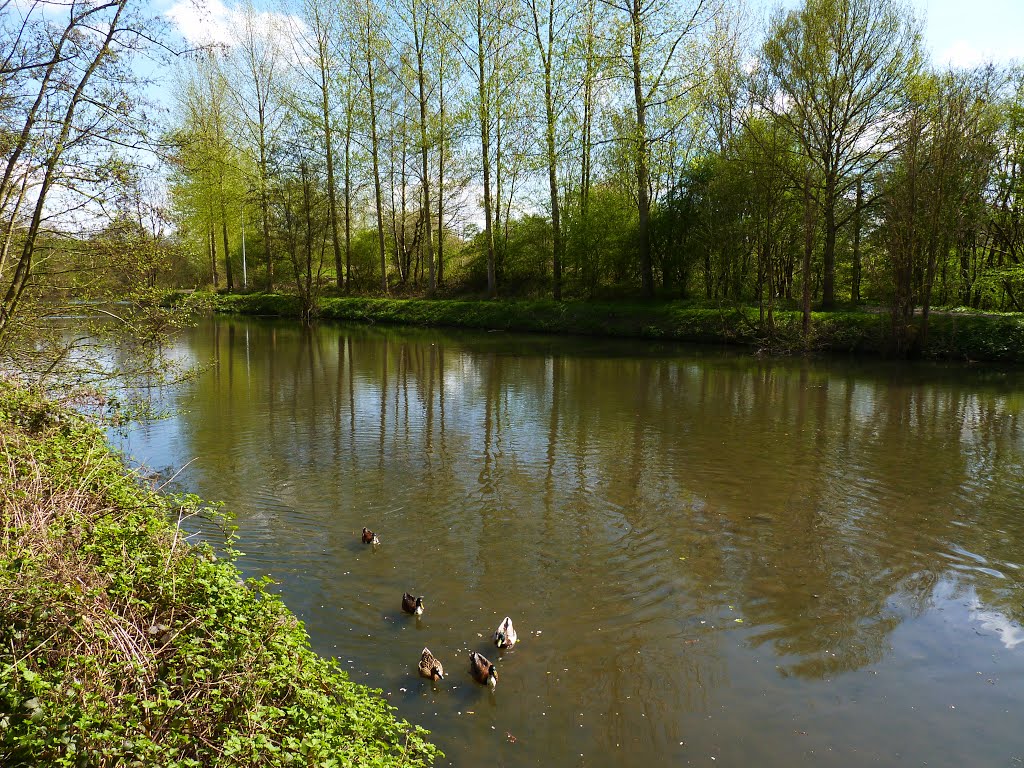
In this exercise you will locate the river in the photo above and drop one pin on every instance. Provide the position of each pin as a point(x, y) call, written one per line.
point(710, 559)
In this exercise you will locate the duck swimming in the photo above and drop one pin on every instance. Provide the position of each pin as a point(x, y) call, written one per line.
point(483, 671)
point(369, 537)
point(505, 635)
point(413, 605)
point(430, 667)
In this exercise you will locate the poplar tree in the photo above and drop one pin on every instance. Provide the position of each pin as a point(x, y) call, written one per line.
point(256, 65)
point(549, 23)
point(318, 63)
point(655, 36)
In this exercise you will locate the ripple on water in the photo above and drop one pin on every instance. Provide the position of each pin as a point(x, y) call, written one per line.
point(626, 510)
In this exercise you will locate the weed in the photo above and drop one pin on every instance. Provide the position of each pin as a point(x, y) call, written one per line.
point(120, 644)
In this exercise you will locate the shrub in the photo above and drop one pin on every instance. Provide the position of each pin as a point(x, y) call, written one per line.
point(120, 644)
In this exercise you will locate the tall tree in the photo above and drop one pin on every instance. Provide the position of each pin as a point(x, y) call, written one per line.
point(73, 123)
point(371, 23)
point(65, 103)
point(207, 158)
point(486, 26)
point(938, 188)
point(422, 22)
point(257, 64)
point(447, 68)
point(550, 22)
point(655, 37)
point(838, 73)
point(318, 57)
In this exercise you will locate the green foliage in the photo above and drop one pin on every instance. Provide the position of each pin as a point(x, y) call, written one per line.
point(601, 243)
point(953, 335)
point(122, 645)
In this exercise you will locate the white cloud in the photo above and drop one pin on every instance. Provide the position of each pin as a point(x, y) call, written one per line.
point(961, 53)
point(203, 22)
point(211, 22)
point(1009, 633)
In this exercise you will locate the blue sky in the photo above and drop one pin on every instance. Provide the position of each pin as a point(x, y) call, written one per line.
point(957, 32)
point(967, 32)
point(963, 33)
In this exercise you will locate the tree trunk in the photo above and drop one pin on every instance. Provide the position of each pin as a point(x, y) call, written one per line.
point(828, 289)
point(348, 200)
point(375, 154)
point(440, 175)
point(420, 43)
point(213, 253)
point(855, 288)
point(332, 192)
point(485, 151)
point(808, 249)
point(549, 108)
point(227, 254)
point(588, 113)
point(642, 178)
point(265, 216)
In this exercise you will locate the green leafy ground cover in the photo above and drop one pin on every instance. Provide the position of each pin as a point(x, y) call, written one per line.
point(123, 645)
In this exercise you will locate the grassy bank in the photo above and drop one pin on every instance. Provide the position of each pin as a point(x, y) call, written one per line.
point(996, 338)
point(120, 644)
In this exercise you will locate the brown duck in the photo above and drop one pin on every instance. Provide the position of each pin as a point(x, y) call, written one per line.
point(430, 667)
point(482, 670)
point(413, 605)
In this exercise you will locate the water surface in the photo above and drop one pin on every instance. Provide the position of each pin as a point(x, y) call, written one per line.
point(710, 559)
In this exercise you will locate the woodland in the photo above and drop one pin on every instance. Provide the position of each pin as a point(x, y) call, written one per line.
point(700, 151)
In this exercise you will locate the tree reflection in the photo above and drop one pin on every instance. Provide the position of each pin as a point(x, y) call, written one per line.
point(823, 502)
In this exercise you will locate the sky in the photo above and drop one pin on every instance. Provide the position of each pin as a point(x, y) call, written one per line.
point(965, 33)
point(958, 32)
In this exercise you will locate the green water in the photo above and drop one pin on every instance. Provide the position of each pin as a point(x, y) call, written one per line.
point(709, 559)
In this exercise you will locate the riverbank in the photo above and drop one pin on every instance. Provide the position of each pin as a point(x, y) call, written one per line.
point(121, 644)
point(959, 336)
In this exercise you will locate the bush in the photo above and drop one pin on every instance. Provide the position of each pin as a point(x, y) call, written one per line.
point(122, 645)
point(997, 338)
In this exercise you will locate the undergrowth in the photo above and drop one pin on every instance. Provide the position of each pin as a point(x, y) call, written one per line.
point(950, 335)
point(123, 645)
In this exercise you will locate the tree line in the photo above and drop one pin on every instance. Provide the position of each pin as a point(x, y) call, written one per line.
point(683, 149)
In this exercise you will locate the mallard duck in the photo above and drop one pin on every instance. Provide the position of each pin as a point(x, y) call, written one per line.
point(505, 635)
point(369, 537)
point(482, 670)
point(430, 667)
point(412, 604)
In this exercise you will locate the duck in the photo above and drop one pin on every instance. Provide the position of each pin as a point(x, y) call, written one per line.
point(505, 635)
point(412, 604)
point(369, 537)
point(430, 667)
point(483, 671)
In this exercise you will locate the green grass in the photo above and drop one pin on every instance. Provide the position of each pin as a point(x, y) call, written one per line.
point(123, 645)
point(997, 338)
